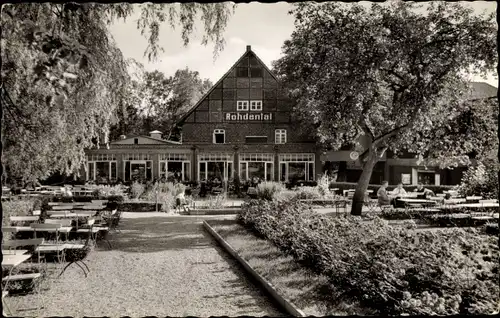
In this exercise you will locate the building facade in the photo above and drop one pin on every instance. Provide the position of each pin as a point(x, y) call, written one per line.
point(243, 126)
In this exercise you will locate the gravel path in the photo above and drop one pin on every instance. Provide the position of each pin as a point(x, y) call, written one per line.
point(159, 266)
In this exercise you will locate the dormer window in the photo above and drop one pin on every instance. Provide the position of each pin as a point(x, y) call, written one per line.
point(242, 105)
point(219, 136)
point(256, 105)
point(136, 141)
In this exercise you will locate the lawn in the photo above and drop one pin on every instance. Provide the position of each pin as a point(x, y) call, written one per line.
point(307, 290)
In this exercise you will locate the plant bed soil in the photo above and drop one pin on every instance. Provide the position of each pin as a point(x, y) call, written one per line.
point(307, 290)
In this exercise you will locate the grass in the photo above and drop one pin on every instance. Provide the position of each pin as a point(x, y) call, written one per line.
point(305, 289)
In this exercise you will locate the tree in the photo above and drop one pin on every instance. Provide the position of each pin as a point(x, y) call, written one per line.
point(388, 73)
point(63, 75)
point(159, 102)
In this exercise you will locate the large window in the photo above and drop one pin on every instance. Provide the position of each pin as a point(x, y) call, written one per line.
point(219, 136)
point(215, 166)
point(175, 166)
point(296, 167)
point(280, 136)
point(137, 167)
point(101, 168)
point(260, 165)
point(427, 177)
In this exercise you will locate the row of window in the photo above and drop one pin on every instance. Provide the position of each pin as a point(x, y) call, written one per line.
point(242, 105)
point(219, 136)
point(216, 165)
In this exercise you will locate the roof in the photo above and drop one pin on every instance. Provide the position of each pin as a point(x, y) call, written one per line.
point(482, 90)
point(247, 53)
point(156, 140)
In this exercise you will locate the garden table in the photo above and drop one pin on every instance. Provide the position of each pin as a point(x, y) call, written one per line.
point(24, 218)
point(416, 201)
point(473, 205)
point(14, 252)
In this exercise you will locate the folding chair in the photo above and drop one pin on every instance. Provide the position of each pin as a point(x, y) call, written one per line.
point(56, 248)
point(76, 253)
point(34, 277)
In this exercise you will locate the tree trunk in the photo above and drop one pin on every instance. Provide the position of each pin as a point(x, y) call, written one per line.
point(359, 196)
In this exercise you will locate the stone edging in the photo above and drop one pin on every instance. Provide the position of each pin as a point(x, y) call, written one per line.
point(230, 211)
point(285, 303)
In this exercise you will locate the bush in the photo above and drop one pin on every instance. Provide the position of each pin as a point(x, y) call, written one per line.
point(323, 186)
point(136, 190)
point(481, 180)
point(16, 208)
point(107, 190)
point(394, 270)
point(307, 193)
point(268, 190)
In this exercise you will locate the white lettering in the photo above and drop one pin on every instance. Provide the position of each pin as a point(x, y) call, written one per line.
point(248, 117)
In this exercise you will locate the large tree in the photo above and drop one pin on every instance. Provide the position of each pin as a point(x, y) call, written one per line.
point(156, 102)
point(63, 76)
point(390, 73)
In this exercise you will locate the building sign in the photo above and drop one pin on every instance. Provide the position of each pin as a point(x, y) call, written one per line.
point(248, 117)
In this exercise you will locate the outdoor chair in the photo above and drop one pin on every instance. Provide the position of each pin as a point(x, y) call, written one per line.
point(4, 304)
point(25, 273)
point(76, 253)
point(56, 248)
point(371, 205)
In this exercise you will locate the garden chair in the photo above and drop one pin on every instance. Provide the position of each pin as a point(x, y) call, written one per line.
point(34, 277)
point(113, 220)
point(56, 248)
point(76, 253)
point(4, 304)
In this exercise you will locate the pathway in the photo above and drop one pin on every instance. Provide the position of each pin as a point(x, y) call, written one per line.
point(159, 266)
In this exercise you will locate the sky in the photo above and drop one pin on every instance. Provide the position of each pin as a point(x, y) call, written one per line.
point(264, 26)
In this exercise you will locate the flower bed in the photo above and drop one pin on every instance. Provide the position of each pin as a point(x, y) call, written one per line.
point(393, 270)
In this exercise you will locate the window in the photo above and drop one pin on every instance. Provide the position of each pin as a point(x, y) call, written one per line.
point(242, 105)
point(280, 136)
point(219, 136)
point(136, 141)
point(256, 105)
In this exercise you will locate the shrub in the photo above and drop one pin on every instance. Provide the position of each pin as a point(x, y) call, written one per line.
point(136, 190)
point(268, 190)
point(307, 193)
point(394, 270)
point(481, 180)
point(107, 190)
point(16, 208)
point(167, 201)
point(323, 185)
point(216, 202)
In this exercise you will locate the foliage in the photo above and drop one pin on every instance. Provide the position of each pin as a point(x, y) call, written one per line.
point(63, 76)
point(136, 190)
point(108, 190)
point(216, 201)
point(481, 180)
point(268, 190)
point(394, 270)
point(307, 193)
point(159, 102)
point(384, 77)
point(324, 185)
point(16, 208)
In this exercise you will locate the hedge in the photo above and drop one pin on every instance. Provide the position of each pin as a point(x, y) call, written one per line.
point(393, 270)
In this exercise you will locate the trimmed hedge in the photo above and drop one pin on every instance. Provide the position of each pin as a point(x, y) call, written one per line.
point(393, 270)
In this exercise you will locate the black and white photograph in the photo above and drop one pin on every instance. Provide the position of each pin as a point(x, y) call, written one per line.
point(252, 159)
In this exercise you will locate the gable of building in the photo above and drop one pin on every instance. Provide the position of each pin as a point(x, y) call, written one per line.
point(248, 80)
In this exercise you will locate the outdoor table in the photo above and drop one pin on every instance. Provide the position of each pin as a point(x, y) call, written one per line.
point(475, 205)
point(64, 229)
point(13, 260)
point(408, 201)
point(14, 252)
point(473, 199)
point(24, 218)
